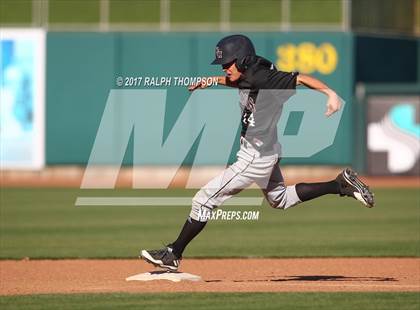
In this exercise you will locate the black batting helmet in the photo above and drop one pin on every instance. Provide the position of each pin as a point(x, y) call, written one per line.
point(232, 48)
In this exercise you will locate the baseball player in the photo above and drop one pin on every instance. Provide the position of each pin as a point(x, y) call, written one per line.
point(263, 90)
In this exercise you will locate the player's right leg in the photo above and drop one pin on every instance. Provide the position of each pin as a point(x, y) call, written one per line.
point(163, 258)
point(230, 182)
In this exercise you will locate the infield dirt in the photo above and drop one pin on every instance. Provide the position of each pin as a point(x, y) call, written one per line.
point(219, 275)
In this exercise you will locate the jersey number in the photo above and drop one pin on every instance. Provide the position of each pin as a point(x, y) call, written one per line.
point(249, 120)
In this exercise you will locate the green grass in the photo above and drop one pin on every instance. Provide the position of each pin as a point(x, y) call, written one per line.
point(207, 11)
point(250, 11)
point(192, 11)
point(128, 11)
point(316, 11)
point(15, 12)
point(240, 301)
point(44, 223)
point(73, 11)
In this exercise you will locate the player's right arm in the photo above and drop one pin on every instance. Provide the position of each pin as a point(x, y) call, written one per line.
point(221, 80)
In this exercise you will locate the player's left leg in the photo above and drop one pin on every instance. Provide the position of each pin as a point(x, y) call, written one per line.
point(345, 184)
point(351, 186)
point(277, 194)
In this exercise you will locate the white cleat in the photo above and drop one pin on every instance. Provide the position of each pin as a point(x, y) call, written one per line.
point(163, 258)
point(352, 186)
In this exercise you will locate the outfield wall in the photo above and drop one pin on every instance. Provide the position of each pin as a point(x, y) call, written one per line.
point(82, 68)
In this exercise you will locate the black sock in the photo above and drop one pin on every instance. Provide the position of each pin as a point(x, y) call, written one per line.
point(191, 229)
point(308, 191)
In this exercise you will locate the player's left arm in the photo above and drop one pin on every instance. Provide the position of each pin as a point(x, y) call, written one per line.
point(333, 103)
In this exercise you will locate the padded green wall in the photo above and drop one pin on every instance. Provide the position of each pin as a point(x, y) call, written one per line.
point(82, 67)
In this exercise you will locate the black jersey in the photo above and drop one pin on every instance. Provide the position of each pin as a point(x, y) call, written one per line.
point(263, 90)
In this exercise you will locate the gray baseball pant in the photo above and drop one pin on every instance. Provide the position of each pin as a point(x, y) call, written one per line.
point(250, 167)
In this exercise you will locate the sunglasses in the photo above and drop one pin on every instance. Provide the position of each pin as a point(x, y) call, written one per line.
point(226, 66)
